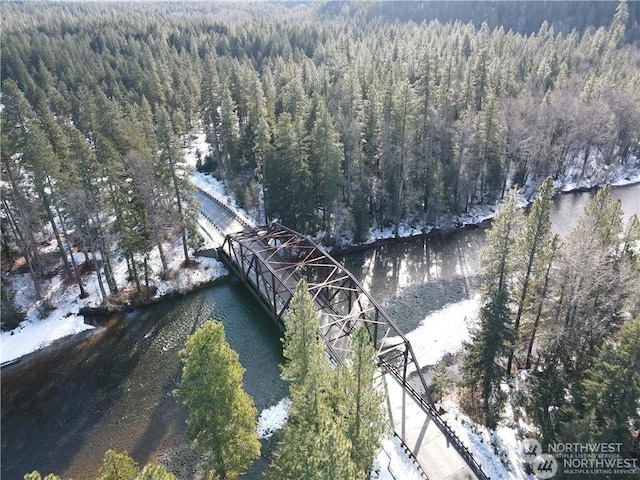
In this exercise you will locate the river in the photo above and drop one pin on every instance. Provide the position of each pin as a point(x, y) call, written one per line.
point(112, 387)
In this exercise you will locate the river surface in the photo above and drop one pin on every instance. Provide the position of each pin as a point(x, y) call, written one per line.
point(112, 387)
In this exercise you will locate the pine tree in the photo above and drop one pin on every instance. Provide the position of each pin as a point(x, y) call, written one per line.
point(326, 156)
point(532, 248)
point(490, 341)
point(118, 466)
point(612, 386)
point(287, 177)
point(595, 279)
point(544, 284)
point(222, 417)
point(22, 212)
point(169, 159)
point(229, 125)
point(363, 407)
point(313, 445)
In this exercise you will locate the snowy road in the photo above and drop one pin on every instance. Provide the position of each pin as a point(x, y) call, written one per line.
point(220, 216)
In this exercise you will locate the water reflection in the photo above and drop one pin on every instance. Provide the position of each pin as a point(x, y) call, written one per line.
point(387, 270)
point(568, 208)
point(412, 279)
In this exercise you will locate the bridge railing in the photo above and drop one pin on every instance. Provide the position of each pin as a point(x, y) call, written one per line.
point(239, 218)
point(448, 432)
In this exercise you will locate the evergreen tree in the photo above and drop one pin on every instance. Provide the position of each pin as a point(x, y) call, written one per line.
point(326, 156)
point(363, 402)
point(118, 466)
point(490, 340)
point(590, 290)
point(612, 387)
point(169, 160)
point(229, 124)
point(222, 417)
point(287, 177)
point(532, 250)
point(313, 445)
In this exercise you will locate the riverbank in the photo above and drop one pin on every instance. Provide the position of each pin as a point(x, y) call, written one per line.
point(480, 215)
point(57, 314)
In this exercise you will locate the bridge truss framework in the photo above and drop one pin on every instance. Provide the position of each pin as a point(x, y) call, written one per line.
point(272, 259)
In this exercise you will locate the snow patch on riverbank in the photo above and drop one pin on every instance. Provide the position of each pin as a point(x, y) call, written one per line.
point(616, 175)
point(443, 331)
point(56, 315)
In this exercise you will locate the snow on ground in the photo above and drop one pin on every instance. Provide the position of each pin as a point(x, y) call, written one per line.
point(273, 418)
point(498, 452)
point(616, 175)
point(443, 331)
point(57, 316)
point(196, 146)
point(393, 463)
point(40, 329)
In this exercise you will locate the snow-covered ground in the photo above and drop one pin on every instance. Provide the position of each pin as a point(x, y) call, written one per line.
point(208, 183)
point(443, 331)
point(499, 452)
point(616, 175)
point(56, 316)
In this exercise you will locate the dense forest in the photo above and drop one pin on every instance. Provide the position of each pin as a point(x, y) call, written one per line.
point(325, 120)
point(560, 319)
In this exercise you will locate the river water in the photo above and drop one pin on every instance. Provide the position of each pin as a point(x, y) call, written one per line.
point(113, 387)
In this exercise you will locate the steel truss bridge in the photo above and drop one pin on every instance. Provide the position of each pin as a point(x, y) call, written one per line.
point(271, 260)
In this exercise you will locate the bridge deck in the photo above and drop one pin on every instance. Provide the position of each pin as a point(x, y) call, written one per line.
point(420, 432)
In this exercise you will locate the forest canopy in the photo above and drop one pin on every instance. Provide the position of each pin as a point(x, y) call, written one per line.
point(333, 117)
